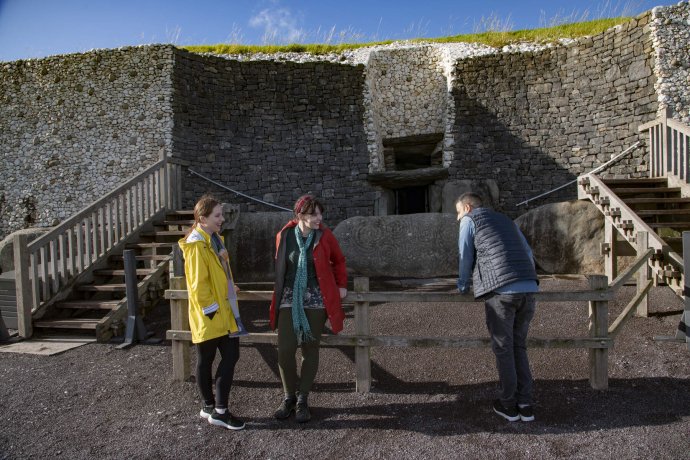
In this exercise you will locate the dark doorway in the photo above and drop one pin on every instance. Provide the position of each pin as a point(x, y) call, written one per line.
point(412, 200)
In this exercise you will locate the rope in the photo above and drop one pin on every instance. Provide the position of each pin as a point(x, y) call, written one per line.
point(597, 169)
point(236, 192)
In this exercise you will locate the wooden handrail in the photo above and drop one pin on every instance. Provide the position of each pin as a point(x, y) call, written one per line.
point(668, 147)
point(67, 253)
point(678, 126)
point(93, 206)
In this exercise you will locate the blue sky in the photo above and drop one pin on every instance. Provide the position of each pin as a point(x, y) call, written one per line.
point(38, 28)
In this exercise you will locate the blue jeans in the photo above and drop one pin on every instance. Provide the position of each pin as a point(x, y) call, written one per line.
point(507, 318)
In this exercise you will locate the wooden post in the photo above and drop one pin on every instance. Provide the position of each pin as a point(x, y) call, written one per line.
point(176, 262)
point(179, 321)
point(684, 324)
point(362, 352)
point(598, 327)
point(611, 255)
point(642, 275)
point(23, 286)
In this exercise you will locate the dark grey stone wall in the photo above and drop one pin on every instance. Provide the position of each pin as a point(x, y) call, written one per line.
point(534, 121)
point(273, 130)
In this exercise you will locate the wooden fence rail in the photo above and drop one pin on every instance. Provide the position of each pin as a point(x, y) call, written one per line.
point(599, 340)
point(49, 264)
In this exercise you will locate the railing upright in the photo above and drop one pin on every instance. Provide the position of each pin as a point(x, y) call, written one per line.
point(668, 147)
point(23, 286)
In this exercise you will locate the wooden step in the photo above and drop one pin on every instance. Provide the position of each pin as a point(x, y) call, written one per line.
point(646, 191)
point(73, 323)
point(649, 181)
point(115, 287)
point(121, 272)
point(187, 222)
point(662, 212)
point(630, 201)
point(161, 257)
point(89, 304)
point(158, 233)
point(150, 245)
point(671, 225)
point(181, 212)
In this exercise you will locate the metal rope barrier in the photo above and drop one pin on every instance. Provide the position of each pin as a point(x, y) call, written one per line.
point(597, 169)
point(238, 193)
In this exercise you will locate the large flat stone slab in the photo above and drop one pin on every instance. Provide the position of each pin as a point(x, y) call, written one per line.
point(407, 246)
point(46, 345)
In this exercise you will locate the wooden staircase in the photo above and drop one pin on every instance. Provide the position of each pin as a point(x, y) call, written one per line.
point(649, 205)
point(660, 206)
point(100, 305)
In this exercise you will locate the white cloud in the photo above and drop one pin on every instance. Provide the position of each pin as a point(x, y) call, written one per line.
point(279, 25)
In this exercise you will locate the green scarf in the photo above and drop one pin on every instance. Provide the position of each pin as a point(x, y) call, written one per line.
point(299, 319)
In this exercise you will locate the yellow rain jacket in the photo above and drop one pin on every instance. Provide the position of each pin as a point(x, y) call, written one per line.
point(207, 285)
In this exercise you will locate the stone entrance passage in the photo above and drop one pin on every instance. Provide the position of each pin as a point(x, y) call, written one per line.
point(412, 200)
point(413, 165)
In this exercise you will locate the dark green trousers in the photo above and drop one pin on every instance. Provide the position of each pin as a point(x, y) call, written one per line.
point(287, 348)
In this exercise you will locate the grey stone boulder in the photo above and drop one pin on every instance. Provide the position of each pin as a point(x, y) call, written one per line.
point(7, 246)
point(565, 237)
point(406, 246)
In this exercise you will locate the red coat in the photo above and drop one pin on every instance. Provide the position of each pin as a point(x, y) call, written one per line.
point(329, 263)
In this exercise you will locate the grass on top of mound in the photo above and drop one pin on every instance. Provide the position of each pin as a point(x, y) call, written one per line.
point(496, 39)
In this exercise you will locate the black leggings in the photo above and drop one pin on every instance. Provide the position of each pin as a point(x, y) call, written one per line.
point(229, 354)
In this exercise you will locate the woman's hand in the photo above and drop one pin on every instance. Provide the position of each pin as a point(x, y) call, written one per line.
point(237, 288)
point(224, 254)
point(343, 292)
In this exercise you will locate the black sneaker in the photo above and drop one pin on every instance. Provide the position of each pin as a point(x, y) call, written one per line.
point(226, 420)
point(206, 412)
point(285, 408)
point(511, 415)
point(302, 414)
point(526, 413)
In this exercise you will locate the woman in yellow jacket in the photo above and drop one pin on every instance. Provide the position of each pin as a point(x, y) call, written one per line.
point(213, 316)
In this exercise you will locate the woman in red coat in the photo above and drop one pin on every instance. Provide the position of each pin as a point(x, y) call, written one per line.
point(310, 281)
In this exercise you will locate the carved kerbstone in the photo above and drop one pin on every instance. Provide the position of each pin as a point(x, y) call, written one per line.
point(413, 245)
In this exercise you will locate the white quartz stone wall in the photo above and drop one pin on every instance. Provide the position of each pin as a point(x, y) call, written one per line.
point(74, 127)
point(670, 29)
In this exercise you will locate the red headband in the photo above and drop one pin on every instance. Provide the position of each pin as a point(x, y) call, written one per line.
point(301, 203)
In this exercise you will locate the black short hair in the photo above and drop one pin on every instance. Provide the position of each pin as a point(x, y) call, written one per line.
point(470, 198)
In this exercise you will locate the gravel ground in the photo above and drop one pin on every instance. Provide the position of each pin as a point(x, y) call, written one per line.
point(100, 402)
